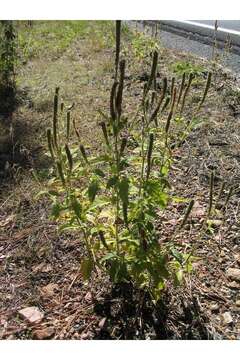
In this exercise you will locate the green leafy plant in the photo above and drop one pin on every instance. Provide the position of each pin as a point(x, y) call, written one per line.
point(113, 198)
point(181, 67)
point(143, 45)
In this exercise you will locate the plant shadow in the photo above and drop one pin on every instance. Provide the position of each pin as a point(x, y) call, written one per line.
point(131, 315)
point(20, 148)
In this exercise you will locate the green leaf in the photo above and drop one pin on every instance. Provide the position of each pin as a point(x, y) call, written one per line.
point(99, 203)
point(164, 170)
point(92, 190)
point(177, 255)
point(163, 199)
point(86, 268)
point(163, 272)
point(178, 277)
point(108, 257)
point(56, 210)
point(123, 164)
point(188, 267)
point(99, 172)
point(124, 190)
point(154, 189)
point(112, 182)
point(77, 208)
point(68, 226)
point(53, 192)
point(101, 159)
point(177, 200)
point(41, 193)
point(118, 271)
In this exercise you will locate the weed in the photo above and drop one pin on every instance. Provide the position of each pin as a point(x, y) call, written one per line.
point(113, 198)
point(186, 67)
point(143, 45)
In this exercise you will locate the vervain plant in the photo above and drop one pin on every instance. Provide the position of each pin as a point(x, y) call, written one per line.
point(113, 198)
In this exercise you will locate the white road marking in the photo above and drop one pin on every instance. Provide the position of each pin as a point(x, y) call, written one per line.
point(229, 31)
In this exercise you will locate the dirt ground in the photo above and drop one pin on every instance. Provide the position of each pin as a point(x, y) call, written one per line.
point(40, 267)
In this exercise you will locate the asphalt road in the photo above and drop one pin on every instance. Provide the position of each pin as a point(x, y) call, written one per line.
point(225, 24)
point(173, 40)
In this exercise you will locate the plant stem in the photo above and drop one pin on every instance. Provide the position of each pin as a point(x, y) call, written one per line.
point(143, 157)
point(117, 191)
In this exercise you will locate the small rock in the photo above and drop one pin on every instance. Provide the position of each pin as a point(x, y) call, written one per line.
point(198, 210)
point(31, 314)
point(233, 274)
point(41, 334)
point(227, 318)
